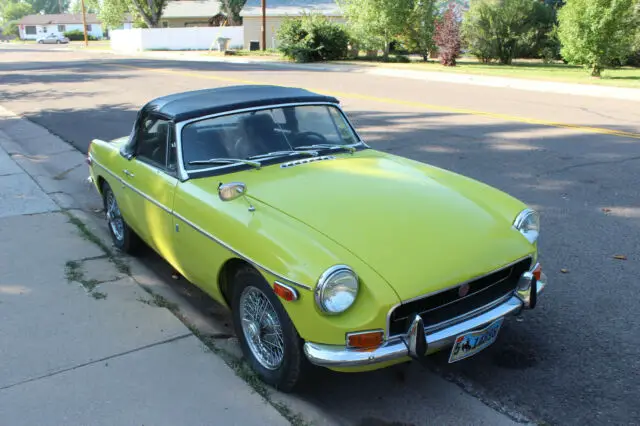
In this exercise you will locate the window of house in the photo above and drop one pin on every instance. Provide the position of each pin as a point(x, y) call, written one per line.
point(30, 29)
point(88, 27)
point(61, 28)
point(44, 29)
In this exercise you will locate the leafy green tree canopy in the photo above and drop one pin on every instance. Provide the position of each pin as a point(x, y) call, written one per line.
point(375, 23)
point(14, 10)
point(597, 33)
point(112, 12)
point(504, 29)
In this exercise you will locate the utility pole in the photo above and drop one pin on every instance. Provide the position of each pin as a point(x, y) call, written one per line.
point(84, 25)
point(264, 24)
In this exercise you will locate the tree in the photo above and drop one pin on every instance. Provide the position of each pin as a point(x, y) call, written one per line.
point(375, 23)
point(313, 38)
point(13, 11)
point(597, 33)
point(447, 36)
point(112, 12)
point(504, 29)
point(232, 9)
point(420, 27)
point(90, 6)
point(49, 6)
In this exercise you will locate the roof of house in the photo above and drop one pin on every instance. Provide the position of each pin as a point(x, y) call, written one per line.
point(60, 19)
point(191, 9)
point(199, 103)
point(291, 7)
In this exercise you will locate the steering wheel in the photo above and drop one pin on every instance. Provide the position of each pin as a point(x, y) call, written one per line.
point(313, 135)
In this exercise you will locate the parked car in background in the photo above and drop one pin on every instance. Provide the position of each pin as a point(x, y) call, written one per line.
point(52, 39)
point(327, 251)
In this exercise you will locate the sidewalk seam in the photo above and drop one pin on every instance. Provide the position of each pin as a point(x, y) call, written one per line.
point(64, 370)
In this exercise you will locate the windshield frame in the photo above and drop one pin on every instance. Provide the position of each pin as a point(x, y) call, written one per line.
point(185, 174)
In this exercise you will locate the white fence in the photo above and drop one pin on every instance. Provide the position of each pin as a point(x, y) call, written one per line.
point(189, 38)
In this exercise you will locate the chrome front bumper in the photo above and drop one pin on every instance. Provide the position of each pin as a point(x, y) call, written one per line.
point(335, 356)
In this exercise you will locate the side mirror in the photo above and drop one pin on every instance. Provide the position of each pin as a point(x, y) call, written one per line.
point(126, 154)
point(231, 191)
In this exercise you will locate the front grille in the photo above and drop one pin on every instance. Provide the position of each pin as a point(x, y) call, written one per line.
point(448, 304)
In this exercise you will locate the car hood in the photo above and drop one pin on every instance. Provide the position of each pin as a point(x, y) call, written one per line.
point(419, 227)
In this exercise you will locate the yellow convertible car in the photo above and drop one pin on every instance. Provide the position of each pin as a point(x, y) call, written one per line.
point(328, 252)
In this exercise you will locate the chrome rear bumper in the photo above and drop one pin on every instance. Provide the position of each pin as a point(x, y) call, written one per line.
point(337, 356)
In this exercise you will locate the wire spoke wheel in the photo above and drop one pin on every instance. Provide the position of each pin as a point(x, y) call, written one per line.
point(262, 328)
point(114, 218)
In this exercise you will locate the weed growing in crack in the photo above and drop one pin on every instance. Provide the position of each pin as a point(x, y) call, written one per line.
point(120, 264)
point(73, 271)
point(98, 295)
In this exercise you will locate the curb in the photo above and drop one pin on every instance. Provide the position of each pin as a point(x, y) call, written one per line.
point(530, 85)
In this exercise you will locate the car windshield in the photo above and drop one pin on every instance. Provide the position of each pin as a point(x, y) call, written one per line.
point(266, 134)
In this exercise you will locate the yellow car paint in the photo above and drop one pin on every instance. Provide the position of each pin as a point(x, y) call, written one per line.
point(406, 228)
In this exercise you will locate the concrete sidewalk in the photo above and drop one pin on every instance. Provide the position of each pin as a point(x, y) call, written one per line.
point(578, 89)
point(81, 342)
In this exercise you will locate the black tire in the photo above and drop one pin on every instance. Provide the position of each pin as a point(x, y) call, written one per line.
point(295, 366)
point(128, 242)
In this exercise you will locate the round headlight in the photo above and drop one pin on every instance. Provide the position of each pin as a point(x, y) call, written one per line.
point(528, 223)
point(337, 289)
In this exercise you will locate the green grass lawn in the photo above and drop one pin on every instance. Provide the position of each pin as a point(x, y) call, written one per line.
point(527, 69)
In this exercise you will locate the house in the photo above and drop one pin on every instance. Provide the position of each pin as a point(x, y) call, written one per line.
point(192, 13)
point(276, 12)
point(33, 26)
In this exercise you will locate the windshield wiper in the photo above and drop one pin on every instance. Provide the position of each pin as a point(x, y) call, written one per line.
point(281, 153)
point(328, 146)
point(255, 164)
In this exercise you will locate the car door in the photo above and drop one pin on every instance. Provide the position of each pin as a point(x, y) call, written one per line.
point(151, 177)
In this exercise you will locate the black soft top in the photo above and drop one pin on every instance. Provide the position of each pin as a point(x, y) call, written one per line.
point(186, 105)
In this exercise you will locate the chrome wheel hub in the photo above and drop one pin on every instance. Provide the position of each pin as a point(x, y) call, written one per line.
point(114, 218)
point(261, 328)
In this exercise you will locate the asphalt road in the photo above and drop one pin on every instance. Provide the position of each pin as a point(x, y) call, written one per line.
point(572, 361)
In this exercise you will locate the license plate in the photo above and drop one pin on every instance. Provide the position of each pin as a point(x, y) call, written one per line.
point(471, 343)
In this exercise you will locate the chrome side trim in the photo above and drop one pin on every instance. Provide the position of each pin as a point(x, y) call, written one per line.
point(388, 325)
point(203, 232)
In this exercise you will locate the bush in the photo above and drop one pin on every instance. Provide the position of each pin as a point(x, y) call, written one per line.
point(313, 38)
point(11, 30)
point(597, 34)
point(77, 35)
point(447, 37)
point(506, 29)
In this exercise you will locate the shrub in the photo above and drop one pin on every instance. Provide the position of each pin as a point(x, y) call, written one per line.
point(11, 30)
point(77, 35)
point(597, 33)
point(313, 38)
point(505, 29)
point(447, 36)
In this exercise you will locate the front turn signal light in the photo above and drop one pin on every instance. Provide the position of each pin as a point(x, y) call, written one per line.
point(537, 272)
point(365, 340)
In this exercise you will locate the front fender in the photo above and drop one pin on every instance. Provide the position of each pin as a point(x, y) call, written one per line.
point(285, 249)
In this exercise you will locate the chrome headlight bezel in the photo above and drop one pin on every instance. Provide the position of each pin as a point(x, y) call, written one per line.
point(528, 224)
point(327, 282)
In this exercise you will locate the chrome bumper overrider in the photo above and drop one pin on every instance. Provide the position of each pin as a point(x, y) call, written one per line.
point(419, 342)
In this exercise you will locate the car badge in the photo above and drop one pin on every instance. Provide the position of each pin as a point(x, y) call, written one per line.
point(463, 290)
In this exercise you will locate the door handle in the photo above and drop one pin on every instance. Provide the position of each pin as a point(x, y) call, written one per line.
point(128, 173)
